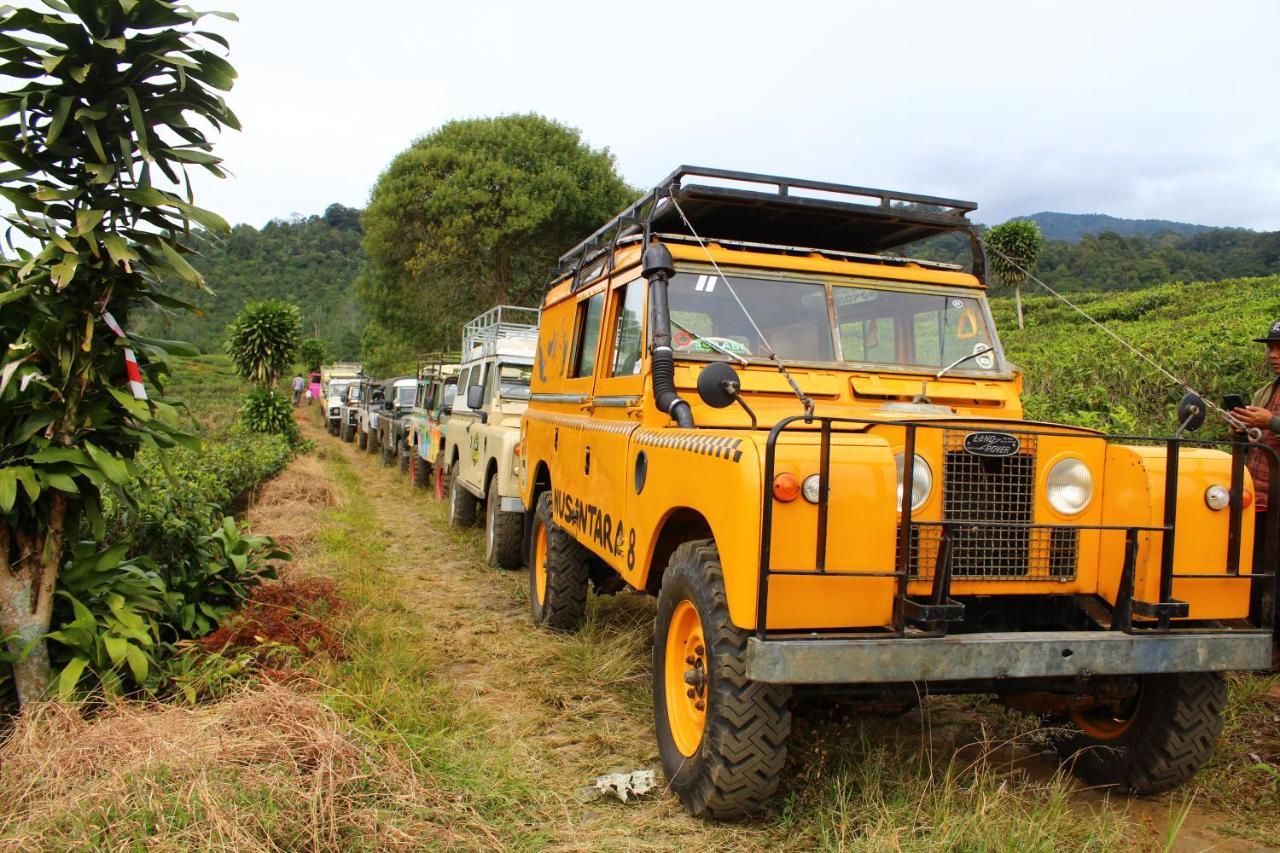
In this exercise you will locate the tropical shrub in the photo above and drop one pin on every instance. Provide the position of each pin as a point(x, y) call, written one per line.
point(311, 354)
point(268, 410)
point(100, 102)
point(263, 339)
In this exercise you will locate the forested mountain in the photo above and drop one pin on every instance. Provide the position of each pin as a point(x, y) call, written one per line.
point(309, 261)
point(1073, 226)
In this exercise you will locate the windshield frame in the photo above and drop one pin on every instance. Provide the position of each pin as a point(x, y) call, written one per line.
point(1003, 370)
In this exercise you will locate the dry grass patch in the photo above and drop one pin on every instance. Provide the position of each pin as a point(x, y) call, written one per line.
point(288, 506)
point(267, 769)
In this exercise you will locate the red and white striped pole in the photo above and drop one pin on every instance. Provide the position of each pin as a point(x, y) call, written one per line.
point(130, 360)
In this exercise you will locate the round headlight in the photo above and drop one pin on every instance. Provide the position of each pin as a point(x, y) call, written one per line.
point(812, 488)
point(1217, 497)
point(921, 481)
point(1070, 486)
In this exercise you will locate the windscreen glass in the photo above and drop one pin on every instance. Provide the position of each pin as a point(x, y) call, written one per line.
point(353, 394)
point(405, 394)
point(930, 330)
point(450, 391)
point(790, 315)
point(513, 381)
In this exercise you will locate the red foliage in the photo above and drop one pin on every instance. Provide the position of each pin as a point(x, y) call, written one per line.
point(288, 612)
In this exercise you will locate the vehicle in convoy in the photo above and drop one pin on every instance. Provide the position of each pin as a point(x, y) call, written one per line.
point(391, 428)
point(437, 385)
point(357, 391)
point(483, 427)
point(334, 379)
point(371, 403)
point(811, 449)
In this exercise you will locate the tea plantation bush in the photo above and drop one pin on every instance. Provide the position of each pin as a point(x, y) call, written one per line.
point(1202, 332)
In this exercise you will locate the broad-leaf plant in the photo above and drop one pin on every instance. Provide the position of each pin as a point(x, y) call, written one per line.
point(105, 106)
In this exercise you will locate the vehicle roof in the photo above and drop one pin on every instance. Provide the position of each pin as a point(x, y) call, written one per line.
point(767, 209)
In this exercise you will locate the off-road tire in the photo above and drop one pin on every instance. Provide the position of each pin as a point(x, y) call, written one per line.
point(567, 569)
point(388, 454)
point(462, 504)
point(348, 433)
point(503, 531)
point(371, 441)
point(362, 440)
point(440, 486)
point(419, 470)
point(1177, 722)
point(740, 758)
point(403, 450)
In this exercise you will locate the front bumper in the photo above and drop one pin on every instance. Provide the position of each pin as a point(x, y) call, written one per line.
point(1040, 654)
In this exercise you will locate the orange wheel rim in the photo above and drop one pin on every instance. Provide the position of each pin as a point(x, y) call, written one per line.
point(685, 678)
point(540, 565)
point(1105, 722)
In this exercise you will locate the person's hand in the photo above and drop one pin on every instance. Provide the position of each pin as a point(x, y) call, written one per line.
point(1254, 416)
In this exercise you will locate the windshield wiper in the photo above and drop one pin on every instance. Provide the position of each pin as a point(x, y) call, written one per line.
point(923, 396)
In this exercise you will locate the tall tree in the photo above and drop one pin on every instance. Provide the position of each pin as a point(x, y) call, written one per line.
point(103, 99)
point(1013, 251)
point(474, 215)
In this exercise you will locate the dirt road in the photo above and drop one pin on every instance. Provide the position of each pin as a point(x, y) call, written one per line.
point(542, 715)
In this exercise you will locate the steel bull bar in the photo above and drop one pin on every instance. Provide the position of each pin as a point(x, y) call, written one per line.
point(917, 646)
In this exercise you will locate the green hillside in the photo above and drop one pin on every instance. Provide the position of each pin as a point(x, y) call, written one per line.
point(1072, 226)
point(309, 261)
point(1202, 332)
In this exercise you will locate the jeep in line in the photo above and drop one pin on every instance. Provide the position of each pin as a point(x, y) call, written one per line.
point(749, 401)
point(483, 428)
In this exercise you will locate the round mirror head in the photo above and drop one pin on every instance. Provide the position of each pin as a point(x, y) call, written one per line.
point(1191, 411)
point(718, 385)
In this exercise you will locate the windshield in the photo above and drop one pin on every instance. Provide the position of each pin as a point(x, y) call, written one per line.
point(876, 325)
point(450, 391)
point(405, 394)
point(913, 329)
point(337, 389)
point(791, 314)
point(513, 381)
point(353, 393)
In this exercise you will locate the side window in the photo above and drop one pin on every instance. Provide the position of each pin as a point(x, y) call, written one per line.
point(489, 385)
point(463, 382)
point(584, 354)
point(628, 336)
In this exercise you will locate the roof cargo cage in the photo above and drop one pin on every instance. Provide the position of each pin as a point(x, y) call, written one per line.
point(504, 329)
point(767, 211)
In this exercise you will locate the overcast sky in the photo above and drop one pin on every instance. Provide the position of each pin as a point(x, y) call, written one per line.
point(1164, 110)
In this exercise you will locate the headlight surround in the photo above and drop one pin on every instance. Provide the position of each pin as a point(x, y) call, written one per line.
point(1069, 486)
point(1217, 498)
point(921, 480)
point(811, 489)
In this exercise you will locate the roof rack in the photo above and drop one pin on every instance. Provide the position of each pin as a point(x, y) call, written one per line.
point(499, 324)
point(766, 209)
point(434, 363)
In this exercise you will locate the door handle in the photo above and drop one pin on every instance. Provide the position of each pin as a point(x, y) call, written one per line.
point(586, 461)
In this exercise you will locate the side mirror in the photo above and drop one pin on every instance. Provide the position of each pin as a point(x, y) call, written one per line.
point(718, 385)
point(475, 396)
point(1191, 412)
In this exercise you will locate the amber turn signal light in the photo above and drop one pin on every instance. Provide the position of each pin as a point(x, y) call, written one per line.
point(786, 487)
point(1246, 498)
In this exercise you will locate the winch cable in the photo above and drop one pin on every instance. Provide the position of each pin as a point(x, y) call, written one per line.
point(1231, 420)
point(805, 400)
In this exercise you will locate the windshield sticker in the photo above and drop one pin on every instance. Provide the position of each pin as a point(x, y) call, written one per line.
point(988, 359)
point(706, 284)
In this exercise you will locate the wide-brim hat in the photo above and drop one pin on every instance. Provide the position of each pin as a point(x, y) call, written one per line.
point(1273, 336)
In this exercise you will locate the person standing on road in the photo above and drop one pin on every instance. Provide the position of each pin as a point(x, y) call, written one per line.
point(1263, 412)
point(298, 382)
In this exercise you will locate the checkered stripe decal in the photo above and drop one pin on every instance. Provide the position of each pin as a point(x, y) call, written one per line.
point(721, 447)
point(583, 423)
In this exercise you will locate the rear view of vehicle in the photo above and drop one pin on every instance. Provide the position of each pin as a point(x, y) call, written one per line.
point(750, 402)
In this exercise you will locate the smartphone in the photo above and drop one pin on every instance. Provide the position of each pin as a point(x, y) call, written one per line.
point(1233, 401)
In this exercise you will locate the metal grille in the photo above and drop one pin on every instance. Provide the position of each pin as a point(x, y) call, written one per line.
point(993, 489)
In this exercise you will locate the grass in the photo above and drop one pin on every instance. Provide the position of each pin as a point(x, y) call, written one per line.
point(447, 721)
